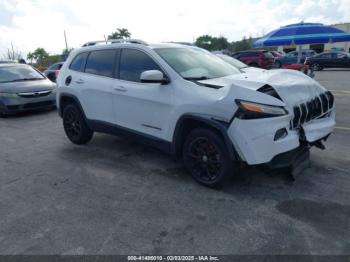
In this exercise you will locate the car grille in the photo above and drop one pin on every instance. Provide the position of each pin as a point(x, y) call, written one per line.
point(38, 104)
point(34, 94)
point(312, 109)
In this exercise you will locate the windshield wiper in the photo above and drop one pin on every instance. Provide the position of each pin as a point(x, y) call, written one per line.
point(26, 79)
point(197, 78)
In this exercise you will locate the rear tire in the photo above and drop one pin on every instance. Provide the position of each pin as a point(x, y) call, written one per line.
point(206, 157)
point(75, 125)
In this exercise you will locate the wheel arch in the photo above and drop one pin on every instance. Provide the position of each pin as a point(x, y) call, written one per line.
point(65, 99)
point(188, 122)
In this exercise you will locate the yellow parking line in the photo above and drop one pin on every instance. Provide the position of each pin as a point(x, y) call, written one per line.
point(342, 128)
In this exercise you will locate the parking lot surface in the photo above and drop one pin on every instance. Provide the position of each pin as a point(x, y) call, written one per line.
point(115, 196)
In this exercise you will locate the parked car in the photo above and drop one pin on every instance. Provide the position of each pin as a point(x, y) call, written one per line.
point(329, 60)
point(52, 72)
point(238, 64)
point(189, 102)
point(292, 58)
point(7, 61)
point(277, 54)
point(24, 88)
point(256, 58)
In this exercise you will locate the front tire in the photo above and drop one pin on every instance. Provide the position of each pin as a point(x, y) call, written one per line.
point(206, 157)
point(316, 67)
point(75, 126)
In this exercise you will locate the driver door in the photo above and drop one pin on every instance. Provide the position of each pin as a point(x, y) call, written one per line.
point(141, 107)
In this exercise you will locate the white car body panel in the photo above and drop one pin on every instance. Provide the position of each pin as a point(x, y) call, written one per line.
point(155, 109)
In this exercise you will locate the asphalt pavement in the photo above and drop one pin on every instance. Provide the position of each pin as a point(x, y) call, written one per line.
point(115, 196)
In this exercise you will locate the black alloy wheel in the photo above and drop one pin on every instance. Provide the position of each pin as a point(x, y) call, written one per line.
point(206, 157)
point(74, 125)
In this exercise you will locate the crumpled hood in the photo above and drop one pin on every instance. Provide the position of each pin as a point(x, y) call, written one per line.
point(292, 86)
point(27, 86)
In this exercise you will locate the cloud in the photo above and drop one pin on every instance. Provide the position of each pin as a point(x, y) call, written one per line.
point(40, 23)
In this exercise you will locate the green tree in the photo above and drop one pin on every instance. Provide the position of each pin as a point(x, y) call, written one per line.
point(30, 57)
point(120, 33)
point(220, 43)
point(212, 43)
point(40, 55)
point(244, 44)
point(205, 41)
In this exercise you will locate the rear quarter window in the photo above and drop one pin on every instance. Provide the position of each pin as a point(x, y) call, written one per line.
point(78, 62)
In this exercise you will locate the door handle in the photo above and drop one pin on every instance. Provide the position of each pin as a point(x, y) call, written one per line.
point(120, 88)
point(80, 81)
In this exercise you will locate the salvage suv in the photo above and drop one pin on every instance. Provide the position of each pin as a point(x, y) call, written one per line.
point(189, 102)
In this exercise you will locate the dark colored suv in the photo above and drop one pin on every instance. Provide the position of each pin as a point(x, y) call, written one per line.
point(256, 58)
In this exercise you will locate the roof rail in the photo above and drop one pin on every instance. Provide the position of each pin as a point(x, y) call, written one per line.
point(115, 41)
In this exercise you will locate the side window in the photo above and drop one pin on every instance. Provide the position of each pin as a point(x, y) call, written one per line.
point(340, 55)
point(326, 56)
point(101, 62)
point(78, 62)
point(133, 62)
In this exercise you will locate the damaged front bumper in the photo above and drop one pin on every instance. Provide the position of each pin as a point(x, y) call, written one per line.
point(260, 141)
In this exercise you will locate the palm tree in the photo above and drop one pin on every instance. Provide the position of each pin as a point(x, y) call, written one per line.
point(121, 33)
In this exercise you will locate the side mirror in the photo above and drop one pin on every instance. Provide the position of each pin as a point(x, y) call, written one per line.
point(154, 77)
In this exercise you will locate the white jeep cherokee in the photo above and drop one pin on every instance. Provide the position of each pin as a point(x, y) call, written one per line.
point(188, 102)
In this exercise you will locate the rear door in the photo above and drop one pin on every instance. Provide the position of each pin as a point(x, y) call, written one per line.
point(327, 60)
point(95, 85)
point(142, 107)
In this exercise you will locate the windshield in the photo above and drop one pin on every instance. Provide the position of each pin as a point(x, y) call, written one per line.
point(195, 63)
point(233, 61)
point(16, 73)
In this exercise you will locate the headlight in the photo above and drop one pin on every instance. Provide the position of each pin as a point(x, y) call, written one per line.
point(8, 95)
point(252, 110)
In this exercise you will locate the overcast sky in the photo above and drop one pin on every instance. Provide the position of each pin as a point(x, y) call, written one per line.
point(40, 23)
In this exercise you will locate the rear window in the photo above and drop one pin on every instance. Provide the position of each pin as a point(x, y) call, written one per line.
point(79, 62)
point(101, 62)
point(18, 73)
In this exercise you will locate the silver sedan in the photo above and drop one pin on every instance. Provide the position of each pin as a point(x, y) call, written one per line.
point(24, 88)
